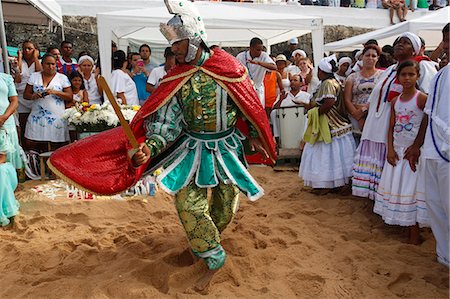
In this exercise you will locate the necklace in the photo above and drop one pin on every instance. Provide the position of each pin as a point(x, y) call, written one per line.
point(380, 108)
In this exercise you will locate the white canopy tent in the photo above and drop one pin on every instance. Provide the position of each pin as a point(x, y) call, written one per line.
point(428, 27)
point(226, 25)
point(38, 12)
point(332, 16)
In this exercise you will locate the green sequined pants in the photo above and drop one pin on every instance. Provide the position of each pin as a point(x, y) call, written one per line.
point(204, 220)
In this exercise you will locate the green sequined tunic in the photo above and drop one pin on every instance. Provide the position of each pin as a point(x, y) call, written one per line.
point(204, 117)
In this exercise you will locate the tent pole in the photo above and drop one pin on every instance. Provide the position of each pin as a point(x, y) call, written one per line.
point(62, 32)
point(3, 40)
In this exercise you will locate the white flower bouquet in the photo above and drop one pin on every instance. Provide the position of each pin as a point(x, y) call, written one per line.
point(97, 118)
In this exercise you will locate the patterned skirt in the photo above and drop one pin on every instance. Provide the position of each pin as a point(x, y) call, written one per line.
point(367, 168)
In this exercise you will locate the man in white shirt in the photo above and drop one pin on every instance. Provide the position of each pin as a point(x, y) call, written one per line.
point(294, 97)
point(257, 63)
point(434, 134)
point(159, 72)
point(146, 53)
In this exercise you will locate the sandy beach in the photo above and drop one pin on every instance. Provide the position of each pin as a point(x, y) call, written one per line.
point(289, 244)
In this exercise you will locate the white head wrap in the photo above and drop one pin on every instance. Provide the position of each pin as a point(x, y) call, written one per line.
point(298, 51)
point(358, 54)
point(84, 58)
point(325, 64)
point(345, 60)
point(415, 41)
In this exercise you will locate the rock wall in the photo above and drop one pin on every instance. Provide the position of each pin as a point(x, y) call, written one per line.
point(82, 32)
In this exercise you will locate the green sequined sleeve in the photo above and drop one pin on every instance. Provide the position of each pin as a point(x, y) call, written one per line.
point(164, 126)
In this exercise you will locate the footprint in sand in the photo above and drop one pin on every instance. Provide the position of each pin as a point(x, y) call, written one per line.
point(79, 218)
point(306, 285)
point(400, 285)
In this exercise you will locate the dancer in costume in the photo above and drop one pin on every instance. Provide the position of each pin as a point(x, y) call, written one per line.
point(328, 135)
point(10, 159)
point(371, 152)
point(191, 119)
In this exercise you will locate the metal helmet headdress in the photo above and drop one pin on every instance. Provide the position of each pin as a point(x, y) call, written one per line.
point(186, 24)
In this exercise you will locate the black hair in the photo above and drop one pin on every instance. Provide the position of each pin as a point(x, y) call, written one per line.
point(446, 29)
point(388, 49)
point(83, 53)
point(168, 52)
point(408, 63)
point(49, 49)
point(46, 55)
point(77, 75)
point(66, 42)
point(145, 46)
point(119, 57)
point(371, 47)
point(255, 41)
point(371, 42)
point(28, 41)
point(134, 54)
point(354, 53)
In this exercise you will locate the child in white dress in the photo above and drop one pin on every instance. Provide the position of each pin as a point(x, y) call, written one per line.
point(395, 200)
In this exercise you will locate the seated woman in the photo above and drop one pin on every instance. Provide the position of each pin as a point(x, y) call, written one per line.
point(328, 154)
point(46, 129)
point(9, 150)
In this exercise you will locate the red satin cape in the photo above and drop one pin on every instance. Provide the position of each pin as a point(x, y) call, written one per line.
point(100, 163)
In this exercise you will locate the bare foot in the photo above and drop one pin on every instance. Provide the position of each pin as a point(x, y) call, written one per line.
point(204, 281)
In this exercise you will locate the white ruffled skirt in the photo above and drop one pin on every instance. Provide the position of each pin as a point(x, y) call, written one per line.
point(328, 165)
point(400, 198)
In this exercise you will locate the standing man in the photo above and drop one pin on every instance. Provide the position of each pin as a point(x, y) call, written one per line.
point(139, 74)
point(159, 72)
point(146, 53)
point(434, 135)
point(292, 47)
point(257, 63)
point(196, 109)
point(66, 64)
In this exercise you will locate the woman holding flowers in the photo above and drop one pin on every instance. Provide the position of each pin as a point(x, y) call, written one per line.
point(49, 90)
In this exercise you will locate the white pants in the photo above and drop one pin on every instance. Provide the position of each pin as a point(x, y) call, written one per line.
point(437, 194)
point(260, 92)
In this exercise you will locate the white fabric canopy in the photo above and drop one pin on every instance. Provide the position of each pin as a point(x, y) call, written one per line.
point(226, 25)
point(37, 12)
point(429, 27)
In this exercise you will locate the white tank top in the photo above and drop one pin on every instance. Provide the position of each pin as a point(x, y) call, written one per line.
point(408, 117)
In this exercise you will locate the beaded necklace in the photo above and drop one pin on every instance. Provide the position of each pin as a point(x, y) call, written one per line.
point(379, 111)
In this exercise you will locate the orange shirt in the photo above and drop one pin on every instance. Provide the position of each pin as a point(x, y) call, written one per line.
point(270, 88)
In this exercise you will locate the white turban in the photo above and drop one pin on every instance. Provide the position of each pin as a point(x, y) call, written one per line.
point(345, 60)
point(414, 39)
point(358, 54)
point(84, 58)
point(325, 64)
point(298, 51)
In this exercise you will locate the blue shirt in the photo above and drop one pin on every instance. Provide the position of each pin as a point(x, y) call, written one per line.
point(141, 80)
